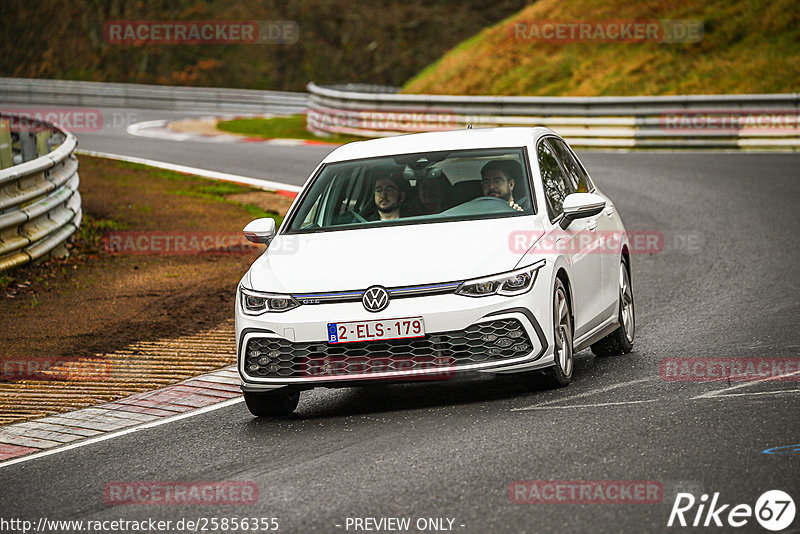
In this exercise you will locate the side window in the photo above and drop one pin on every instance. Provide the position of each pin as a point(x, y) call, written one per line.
point(353, 191)
point(312, 216)
point(333, 200)
point(575, 173)
point(555, 184)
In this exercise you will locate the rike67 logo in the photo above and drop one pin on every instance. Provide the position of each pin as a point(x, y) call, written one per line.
point(774, 510)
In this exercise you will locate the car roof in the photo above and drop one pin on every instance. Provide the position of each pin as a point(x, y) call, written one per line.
point(463, 139)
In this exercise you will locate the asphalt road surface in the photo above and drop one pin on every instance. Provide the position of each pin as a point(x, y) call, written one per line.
point(725, 285)
point(283, 164)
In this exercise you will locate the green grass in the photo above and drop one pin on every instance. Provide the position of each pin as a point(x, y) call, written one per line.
point(258, 213)
point(93, 230)
point(211, 186)
point(212, 190)
point(206, 193)
point(748, 46)
point(199, 187)
point(220, 188)
point(291, 127)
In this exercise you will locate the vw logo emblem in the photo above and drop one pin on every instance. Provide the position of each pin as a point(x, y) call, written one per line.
point(375, 299)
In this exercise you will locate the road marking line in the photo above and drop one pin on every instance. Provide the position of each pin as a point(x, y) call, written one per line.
point(752, 393)
point(597, 405)
point(123, 432)
point(133, 129)
point(718, 392)
point(586, 393)
point(213, 175)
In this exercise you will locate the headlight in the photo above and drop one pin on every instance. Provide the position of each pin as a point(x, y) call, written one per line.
point(508, 284)
point(256, 303)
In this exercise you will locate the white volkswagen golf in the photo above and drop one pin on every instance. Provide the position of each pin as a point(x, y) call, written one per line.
point(432, 256)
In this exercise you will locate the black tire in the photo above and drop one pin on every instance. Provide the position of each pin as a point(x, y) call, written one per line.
point(278, 403)
point(560, 374)
point(620, 341)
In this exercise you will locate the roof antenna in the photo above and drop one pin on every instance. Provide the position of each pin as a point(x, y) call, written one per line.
point(469, 126)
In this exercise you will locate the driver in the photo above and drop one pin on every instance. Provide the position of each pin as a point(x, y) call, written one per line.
point(388, 195)
point(498, 178)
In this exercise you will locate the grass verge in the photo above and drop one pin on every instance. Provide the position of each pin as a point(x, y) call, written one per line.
point(747, 46)
point(291, 127)
point(97, 303)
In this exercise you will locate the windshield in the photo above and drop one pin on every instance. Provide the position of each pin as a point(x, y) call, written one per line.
point(416, 189)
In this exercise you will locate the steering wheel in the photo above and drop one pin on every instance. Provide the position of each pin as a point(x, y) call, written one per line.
point(490, 200)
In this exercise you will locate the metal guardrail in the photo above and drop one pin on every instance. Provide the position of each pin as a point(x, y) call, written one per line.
point(40, 206)
point(769, 121)
point(130, 95)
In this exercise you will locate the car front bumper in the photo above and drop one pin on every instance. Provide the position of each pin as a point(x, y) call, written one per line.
point(458, 341)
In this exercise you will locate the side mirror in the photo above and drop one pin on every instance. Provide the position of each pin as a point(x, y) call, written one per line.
point(580, 206)
point(260, 230)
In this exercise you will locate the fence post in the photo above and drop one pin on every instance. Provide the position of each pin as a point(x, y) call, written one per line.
point(27, 146)
point(6, 155)
point(42, 143)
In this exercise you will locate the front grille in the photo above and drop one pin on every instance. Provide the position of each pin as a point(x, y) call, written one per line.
point(394, 293)
point(491, 341)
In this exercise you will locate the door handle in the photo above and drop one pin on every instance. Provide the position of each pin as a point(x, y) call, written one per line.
point(591, 225)
point(609, 211)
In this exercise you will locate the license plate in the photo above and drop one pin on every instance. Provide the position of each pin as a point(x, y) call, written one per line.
point(355, 331)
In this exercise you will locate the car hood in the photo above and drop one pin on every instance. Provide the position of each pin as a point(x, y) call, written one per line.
point(390, 256)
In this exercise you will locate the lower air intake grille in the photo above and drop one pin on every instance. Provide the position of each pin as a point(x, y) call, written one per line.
point(491, 341)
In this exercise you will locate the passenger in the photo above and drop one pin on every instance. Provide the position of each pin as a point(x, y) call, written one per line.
point(432, 193)
point(389, 193)
point(498, 178)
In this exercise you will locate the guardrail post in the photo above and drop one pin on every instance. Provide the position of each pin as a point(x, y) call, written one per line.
point(6, 155)
point(27, 146)
point(42, 143)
